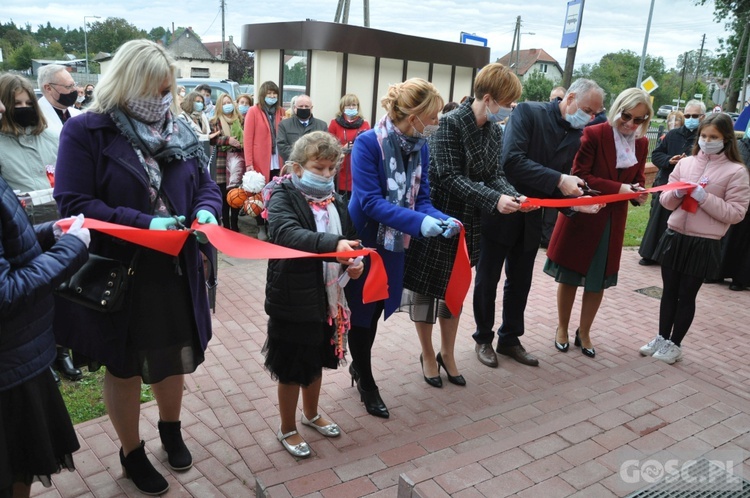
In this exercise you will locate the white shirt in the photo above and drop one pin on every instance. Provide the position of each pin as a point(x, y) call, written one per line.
point(53, 120)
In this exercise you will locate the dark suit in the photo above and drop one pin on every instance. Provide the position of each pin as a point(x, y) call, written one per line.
point(538, 147)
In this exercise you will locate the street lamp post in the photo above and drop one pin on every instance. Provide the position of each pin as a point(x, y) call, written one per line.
point(86, 39)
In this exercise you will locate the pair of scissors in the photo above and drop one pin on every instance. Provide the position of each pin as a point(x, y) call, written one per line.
point(588, 190)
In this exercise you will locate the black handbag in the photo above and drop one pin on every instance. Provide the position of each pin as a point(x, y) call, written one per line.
point(100, 284)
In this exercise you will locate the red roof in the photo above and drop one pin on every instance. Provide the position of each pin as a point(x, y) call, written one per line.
point(527, 59)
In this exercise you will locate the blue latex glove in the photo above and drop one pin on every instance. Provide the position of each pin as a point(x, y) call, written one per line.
point(453, 228)
point(431, 227)
point(699, 194)
point(203, 217)
point(166, 223)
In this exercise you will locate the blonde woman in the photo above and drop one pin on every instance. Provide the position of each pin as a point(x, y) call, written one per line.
point(347, 126)
point(226, 130)
point(393, 154)
point(129, 161)
point(585, 249)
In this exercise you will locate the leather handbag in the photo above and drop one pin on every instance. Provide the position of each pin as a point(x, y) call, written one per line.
point(100, 284)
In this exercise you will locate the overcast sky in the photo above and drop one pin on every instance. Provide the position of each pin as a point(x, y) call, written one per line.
point(607, 25)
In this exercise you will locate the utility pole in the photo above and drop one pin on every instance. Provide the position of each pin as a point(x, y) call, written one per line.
point(342, 12)
point(518, 44)
point(223, 45)
point(700, 57)
point(731, 93)
point(513, 43)
point(645, 45)
point(682, 80)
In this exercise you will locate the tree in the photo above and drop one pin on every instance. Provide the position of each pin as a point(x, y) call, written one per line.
point(295, 75)
point(21, 57)
point(159, 34)
point(536, 88)
point(240, 66)
point(108, 35)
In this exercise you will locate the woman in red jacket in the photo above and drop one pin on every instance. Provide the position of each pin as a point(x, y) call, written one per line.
point(259, 139)
point(585, 250)
point(346, 126)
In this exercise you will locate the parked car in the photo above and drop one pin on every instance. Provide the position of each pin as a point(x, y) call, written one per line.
point(664, 111)
point(217, 86)
point(248, 89)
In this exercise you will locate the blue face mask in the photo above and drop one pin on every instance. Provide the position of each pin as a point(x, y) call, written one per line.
point(197, 106)
point(351, 112)
point(578, 120)
point(271, 101)
point(227, 108)
point(316, 182)
point(244, 109)
point(692, 123)
point(496, 117)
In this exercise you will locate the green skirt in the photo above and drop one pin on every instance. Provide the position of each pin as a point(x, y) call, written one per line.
point(594, 280)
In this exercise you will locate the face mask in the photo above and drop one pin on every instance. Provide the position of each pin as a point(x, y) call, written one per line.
point(197, 106)
point(244, 109)
point(315, 181)
point(713, 147)
point(692, 123)
point(26, 116)
point(207, 101)
point(182, 94)
point(496, 117)
point(304, 114)
point(227, 108)
point(271, 101)
point(89, 93)
point(351, 112)
point(80, 99)
point(427, 132)
point(578, 120)
point(68, 99)
point(150, 110)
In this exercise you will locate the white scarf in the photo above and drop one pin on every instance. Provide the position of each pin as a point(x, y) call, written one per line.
point(625, 147)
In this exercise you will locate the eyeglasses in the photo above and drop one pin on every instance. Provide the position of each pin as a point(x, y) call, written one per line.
point(695, 116)
point(625, 117)
point(69, 88)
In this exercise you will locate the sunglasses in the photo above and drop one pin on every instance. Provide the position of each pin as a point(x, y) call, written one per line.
point(625, 117)
point(696, 116)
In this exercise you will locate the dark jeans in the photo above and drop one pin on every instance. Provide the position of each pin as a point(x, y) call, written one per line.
point(677, 308)
point(519, 269)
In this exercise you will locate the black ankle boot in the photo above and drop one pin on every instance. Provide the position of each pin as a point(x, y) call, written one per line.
point(65, 365)
point(54, 375)
point(146, 478)
point(178, 455)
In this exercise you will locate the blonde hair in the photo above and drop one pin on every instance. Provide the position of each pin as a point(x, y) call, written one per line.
point(219, 114)
point(348, 99)
point(629, 99)
point(678, 116)
point(313, 146)
point(414, 96)
point(10, 85)
point(138, 69)
point(499, 82)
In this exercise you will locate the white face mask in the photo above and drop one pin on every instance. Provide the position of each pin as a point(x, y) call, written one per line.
point(713, 147)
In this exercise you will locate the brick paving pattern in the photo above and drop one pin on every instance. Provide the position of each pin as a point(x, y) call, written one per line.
point(562, 429)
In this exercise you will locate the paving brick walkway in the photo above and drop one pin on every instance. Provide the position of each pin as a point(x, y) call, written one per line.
point(562, 429)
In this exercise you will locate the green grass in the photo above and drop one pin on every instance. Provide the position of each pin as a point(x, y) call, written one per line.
point(636, 224)
point(84, 397)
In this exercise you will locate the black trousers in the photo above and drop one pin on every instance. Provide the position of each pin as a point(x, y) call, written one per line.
point(519, 270)
point(361, 340)
point(677, 308)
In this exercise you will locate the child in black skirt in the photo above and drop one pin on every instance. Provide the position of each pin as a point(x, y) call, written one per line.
point(308, 316)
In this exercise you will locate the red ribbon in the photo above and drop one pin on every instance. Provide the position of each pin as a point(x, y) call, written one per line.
point(460, 279)
point(237, 246)
point(604, 199)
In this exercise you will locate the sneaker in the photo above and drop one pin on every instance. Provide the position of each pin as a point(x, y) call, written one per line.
point(653, 346)
point(669, 352)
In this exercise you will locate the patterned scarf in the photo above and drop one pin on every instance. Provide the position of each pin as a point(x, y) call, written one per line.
point(403, 180)
point(327, 220)
point(625, 148)
point(152, 143)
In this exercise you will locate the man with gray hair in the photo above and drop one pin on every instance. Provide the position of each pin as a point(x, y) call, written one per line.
point(677, 144)
point(299, 123)
point(541, 140)
point(60, 94)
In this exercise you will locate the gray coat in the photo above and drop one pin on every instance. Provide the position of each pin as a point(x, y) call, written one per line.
point(290, 129)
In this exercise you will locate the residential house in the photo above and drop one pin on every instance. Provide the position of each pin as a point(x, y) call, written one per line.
point(525, 62)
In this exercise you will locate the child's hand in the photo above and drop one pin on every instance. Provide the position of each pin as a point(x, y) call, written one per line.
point(344, 246)
point(356, 269)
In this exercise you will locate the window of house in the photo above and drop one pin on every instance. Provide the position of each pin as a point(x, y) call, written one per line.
point(542, 68)
point(200, 72)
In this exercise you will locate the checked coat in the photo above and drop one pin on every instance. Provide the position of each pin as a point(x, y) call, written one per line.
point(466, 179)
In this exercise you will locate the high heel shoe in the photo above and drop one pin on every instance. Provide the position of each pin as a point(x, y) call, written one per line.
point(590, 352)
point(433, 381)
point(178, 455)
point(146, 478)
point(562, 347)
point(458, 379)
point(373, 402)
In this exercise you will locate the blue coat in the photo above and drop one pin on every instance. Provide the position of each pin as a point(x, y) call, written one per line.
point(98, 174)
point(28, 275)
point(369, 207)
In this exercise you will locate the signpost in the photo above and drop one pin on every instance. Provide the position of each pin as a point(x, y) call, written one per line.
point(472, 39)
point(649, 84)
point(571, 30)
